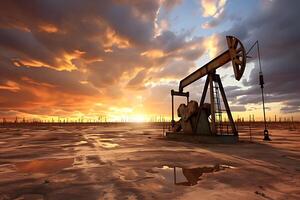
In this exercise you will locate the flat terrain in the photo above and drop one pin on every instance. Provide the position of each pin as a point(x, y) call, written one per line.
point(134, 161)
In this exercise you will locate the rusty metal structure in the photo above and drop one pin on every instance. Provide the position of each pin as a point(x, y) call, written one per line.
point(205, 118)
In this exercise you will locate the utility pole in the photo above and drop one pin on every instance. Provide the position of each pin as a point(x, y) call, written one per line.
point(261, 83)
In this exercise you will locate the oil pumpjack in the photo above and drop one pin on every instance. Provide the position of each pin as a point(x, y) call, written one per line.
point(204, 122)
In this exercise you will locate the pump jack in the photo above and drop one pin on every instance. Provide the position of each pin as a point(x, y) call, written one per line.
point(194, 120)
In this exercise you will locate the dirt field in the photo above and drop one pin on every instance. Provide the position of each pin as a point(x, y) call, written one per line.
point(134, 161)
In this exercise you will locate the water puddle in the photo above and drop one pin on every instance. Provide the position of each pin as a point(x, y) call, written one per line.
point(186, 176)
point(82, 142)
point(45, 166)
point(87, 161)
point(107, 144)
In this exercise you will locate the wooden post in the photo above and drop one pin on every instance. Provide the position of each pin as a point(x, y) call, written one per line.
point(250, 128)
point(174, 175)
point(172, 122)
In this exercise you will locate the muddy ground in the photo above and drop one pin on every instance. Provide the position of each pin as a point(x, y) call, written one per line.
point(134, 161)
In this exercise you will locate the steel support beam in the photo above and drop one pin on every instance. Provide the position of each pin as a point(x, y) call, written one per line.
point(206, 69)
point(233, 128)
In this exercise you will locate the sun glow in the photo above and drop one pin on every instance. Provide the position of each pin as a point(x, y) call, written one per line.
point(211, 43)
point(137, 118)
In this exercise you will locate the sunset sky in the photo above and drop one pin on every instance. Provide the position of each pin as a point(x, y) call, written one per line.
point(120, 58)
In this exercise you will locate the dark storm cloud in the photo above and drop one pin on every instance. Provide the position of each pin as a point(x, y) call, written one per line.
point(290, 109)
point(60, 54)
point(109, 71)
point(137, 81)
point(175, 69)
point(25, 44)
point(80, 26)
point(238, 108)
point(63, 81)
point(277, 29)
point(33, 87)
point(129, 19)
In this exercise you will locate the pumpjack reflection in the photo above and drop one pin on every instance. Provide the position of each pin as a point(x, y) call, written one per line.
point(192, 175)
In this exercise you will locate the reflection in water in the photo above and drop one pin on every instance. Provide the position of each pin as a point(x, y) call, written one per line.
point(106, 144)
point(46, 166)
point(188, 176)
point(81, 142)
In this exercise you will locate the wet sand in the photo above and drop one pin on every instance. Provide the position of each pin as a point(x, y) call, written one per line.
point(134, 161)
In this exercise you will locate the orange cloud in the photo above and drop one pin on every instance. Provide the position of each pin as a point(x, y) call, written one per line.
point(33, 82)
point(49, 28)
point(67, 58)
point(211, 43)
point(64, 62)
point(155, 53)
point(212, 8)
point(113, 39)
point(10, 85)
point(30, 63)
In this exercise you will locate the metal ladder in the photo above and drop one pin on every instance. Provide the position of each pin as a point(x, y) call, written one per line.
point(218, 109)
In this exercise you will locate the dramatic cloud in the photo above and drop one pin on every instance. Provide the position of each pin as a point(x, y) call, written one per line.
point(277, 29)
point(214, 9)
point(68, 57)
point(121, 57)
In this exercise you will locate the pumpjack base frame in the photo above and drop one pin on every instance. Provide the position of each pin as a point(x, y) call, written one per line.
point(196, 138)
